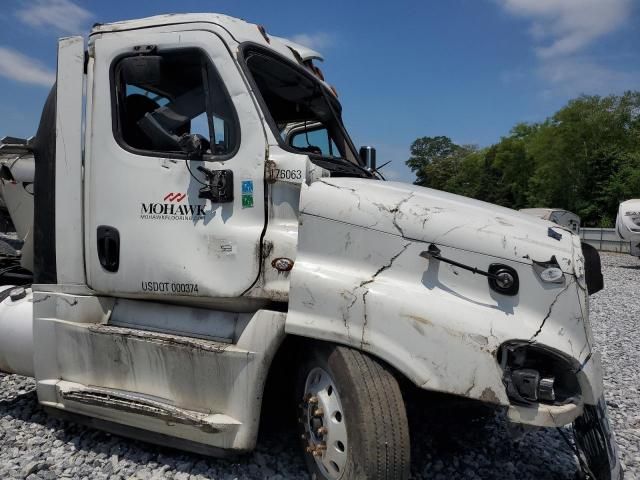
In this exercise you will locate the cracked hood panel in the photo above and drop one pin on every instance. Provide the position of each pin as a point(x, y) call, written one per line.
point(432, 216)
point(360, 279)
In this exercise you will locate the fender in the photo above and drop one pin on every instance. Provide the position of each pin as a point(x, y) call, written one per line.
point(442, 327)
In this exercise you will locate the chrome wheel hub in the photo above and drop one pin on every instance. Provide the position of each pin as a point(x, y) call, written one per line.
point(325, 432)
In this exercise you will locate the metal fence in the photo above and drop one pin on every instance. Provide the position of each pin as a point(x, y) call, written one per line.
point(604, 239)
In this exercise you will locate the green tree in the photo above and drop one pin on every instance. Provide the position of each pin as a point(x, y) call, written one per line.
point(434, 160)
point(516, 168)
point(584, 158)
point(469, 180)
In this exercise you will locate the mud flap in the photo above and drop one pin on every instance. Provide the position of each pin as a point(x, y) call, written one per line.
point(596, 443)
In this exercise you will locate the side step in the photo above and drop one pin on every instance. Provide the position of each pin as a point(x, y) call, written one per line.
point(162, 384)
point(141, 434)
point(123, 401)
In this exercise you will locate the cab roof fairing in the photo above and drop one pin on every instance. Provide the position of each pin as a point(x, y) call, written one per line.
point(239, 30)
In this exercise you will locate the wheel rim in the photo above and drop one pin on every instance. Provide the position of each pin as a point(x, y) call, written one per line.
point(325, 432)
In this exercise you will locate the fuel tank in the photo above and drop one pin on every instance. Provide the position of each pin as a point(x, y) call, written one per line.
point(16, 330)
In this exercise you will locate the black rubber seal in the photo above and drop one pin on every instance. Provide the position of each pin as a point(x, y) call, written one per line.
point(44, 191)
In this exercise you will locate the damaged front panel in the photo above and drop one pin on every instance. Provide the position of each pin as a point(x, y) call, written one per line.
point(441, 325)
point(198, 389)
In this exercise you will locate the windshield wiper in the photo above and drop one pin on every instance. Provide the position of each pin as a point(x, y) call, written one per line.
point(340, 165)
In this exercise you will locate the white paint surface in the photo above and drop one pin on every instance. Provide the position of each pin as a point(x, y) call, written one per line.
point(69, 136)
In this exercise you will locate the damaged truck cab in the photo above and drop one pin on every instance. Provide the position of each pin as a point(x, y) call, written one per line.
point(201, 207)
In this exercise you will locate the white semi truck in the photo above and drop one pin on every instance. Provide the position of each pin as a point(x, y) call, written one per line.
point(200, 213)
point(628, 224)
point(556, 215)
point(17, 169)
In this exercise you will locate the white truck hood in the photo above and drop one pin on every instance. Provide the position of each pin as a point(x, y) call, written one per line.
point(432, 216)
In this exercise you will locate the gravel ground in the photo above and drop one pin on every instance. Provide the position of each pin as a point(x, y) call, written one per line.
point(35, 446)
point(615, 313)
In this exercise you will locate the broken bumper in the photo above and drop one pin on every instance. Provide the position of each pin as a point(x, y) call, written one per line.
point(596, 443)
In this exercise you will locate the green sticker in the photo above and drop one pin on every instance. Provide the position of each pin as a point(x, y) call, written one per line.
point(247, 201)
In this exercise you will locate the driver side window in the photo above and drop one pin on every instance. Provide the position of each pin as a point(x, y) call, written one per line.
point(163, 97)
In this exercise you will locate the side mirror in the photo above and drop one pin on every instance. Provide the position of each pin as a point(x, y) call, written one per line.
point(143, 69)
point(368, 157)
point(194, 145)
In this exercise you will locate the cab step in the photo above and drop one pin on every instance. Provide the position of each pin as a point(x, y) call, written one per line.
point(130, 402)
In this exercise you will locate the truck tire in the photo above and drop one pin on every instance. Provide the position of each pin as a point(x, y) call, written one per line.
point(352, 417)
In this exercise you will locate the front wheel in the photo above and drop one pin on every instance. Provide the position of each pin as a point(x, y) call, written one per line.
point(353, 421)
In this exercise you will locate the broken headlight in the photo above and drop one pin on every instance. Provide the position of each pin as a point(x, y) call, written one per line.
point(528, 386)
point(537, 374)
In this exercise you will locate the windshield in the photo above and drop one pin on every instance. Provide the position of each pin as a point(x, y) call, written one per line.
point(306, 115)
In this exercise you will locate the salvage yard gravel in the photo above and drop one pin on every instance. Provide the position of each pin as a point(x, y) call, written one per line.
point(445, 446)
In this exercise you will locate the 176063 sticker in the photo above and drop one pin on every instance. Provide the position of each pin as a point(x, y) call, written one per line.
point(288, 174)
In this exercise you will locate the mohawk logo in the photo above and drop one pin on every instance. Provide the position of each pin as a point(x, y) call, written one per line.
point(171, 209)
point(174, 197)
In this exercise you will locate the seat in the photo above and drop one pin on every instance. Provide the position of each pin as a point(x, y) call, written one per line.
point(135, 107)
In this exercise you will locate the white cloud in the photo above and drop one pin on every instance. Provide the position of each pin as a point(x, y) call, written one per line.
point(569, 76)
point(315, 41)
point(62, 15)
point(19, 67)
point(567, 26)
point(562, 31)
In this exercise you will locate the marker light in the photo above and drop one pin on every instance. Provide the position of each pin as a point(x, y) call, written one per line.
point(552, 275)
point(549, 272)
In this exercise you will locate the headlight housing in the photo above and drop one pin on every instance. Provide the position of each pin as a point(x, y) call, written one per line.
point(538, 374)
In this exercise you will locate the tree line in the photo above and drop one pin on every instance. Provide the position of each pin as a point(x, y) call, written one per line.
point(585, 158)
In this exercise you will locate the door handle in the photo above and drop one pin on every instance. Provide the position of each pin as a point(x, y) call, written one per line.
point(109, 248)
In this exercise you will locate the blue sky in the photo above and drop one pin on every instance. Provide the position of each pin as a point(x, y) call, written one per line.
point(468, 69)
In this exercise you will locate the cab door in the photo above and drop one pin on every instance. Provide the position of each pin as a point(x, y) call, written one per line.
point(174, 169)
